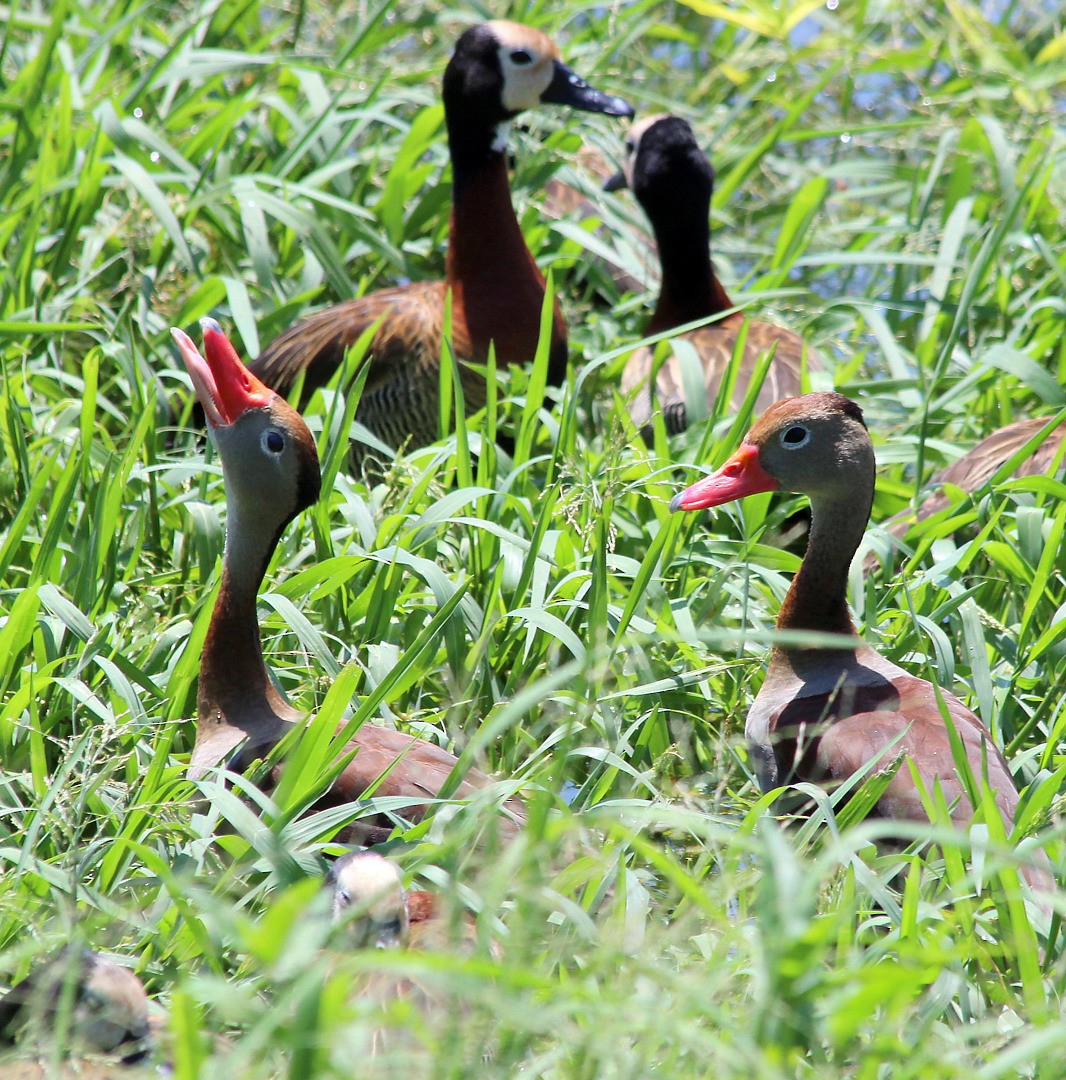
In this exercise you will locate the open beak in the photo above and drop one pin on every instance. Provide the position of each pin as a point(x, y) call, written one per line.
point(224, 386)
point(741, 475)
point(568, 88)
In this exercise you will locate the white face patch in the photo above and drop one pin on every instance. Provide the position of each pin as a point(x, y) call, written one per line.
point(632, 144)
point(499, 139)
point(525, 78)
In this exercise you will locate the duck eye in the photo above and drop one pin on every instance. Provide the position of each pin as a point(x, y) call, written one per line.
point(521, 57)
point(273, 442)
point(795, 436)
point(630, 146)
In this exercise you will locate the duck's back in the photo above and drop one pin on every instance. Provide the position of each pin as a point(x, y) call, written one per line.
point(715, 347)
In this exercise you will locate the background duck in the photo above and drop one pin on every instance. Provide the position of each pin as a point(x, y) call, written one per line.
point(975, 469)
point(823, 714)
point(498, 70)
point(673, 181)
point(271, 472)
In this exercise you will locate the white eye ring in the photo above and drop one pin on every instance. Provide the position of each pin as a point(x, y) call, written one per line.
point(272, 442)
point(800, 436)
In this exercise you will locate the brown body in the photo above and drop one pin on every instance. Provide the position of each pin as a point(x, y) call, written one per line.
point(497, 290)
point(271, 472)
point(976, 468)
point(673, 181)
point(822, 715)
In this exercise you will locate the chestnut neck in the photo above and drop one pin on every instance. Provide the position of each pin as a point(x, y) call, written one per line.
point(690, 288)
point(485, 243)
point(235, 690)
point(817, 599)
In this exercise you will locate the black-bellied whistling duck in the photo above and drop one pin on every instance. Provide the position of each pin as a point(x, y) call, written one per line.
point(673, 181)
point(82, 1003)
point(498, 70)
point(977, 467)
point(271, 472)
point(823, 714)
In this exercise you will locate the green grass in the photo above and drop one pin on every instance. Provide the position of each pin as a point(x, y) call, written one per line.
point(890, 181)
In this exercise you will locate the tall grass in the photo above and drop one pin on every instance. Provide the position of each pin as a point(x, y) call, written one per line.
point(889, 180)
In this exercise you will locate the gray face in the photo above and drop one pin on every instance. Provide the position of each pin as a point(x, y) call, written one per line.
point(823, 454)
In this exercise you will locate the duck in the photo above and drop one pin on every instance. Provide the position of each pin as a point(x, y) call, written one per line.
point(673, 181)
point(977, 467)
point(824, 714)
point(367, 889)
point(95, 1009)
point(271, 473)
point(370, 886)
point(373, 910)
point(498, 70)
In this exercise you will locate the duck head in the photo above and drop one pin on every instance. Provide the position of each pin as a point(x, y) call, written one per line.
point(815, 445)
point(269, 460)
point(368, 887)
point(501, 68)
point(663, 163)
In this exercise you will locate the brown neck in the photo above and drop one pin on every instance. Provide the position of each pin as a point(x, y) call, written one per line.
point(817, 599)
point(485, 243)
point(235, 697)
point(690, 288)
point(492, 273)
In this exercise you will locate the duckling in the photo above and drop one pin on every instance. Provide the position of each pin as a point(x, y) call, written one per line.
point(91, 1007)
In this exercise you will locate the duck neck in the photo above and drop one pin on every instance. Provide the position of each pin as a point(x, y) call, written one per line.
point(485, 240)
point(235, 691)
point(690, 289)
point(496, 284)
point(817, 599)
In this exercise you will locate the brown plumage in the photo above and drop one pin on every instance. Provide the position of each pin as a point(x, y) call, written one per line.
point(271, 473)
point(673, 181)
point(977, 467)
point(90, 1008)
point(824, 714)
point(498, 70)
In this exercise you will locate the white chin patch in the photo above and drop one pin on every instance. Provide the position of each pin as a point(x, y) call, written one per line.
point(499, 140)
